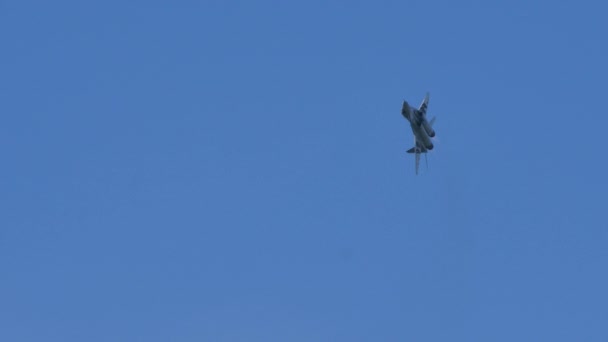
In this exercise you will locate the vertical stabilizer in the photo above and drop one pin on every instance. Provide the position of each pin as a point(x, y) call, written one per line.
point(417, 151)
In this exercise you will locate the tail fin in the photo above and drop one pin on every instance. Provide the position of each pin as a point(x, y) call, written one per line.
point(417, 151)
point(432, 121)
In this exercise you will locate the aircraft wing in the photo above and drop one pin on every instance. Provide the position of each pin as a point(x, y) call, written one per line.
point(424, 105)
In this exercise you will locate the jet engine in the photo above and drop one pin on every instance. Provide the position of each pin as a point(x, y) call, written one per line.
point(427, 127)
point(426, 142)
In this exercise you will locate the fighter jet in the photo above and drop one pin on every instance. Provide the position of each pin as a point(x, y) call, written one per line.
point(422, 129)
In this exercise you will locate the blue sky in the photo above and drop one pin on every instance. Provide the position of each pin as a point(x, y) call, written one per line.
point(236, 171)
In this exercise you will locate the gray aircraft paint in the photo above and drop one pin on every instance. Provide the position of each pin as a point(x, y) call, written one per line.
point(421, 127)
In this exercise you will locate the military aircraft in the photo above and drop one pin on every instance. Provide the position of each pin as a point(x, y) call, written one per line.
point(422, 129)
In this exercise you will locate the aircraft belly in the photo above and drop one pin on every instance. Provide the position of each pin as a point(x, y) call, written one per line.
point(421, 129)
point(421, 137)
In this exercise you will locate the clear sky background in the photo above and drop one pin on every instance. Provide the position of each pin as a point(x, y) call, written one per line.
point(236, 171)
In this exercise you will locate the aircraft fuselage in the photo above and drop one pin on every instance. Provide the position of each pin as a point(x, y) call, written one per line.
point(418, 123)
point(422, 138)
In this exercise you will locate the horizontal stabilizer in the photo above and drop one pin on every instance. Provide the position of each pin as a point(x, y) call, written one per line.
point(417, 149)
